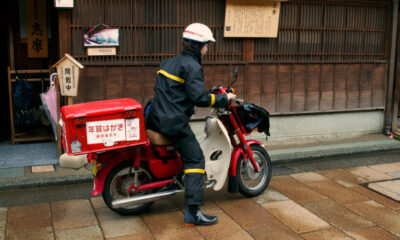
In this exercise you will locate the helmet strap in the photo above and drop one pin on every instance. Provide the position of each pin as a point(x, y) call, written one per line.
point(196, 45)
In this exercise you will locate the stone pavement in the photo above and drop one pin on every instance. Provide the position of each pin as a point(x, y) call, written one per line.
point(281, 152)
point(327, 204)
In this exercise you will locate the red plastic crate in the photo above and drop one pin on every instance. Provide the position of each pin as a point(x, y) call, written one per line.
point(102, 125)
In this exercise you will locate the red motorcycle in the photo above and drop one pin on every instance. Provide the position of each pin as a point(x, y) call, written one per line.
point(131, 176)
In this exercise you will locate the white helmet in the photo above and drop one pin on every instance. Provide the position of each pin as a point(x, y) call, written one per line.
point(198, 32)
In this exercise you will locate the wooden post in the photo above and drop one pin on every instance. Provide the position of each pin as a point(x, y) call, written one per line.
point(64, 33)
point(70, 100)
point(11, 106)
point(389, 87)
point(248, 50)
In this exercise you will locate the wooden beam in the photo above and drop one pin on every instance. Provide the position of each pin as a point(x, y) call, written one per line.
point(64, 33)
point(248, 50)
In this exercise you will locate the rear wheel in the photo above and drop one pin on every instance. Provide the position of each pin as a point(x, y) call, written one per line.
point(118, 182)
point(250, 182)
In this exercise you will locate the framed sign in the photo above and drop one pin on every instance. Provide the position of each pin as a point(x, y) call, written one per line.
point(64, 3)
point(251, 18)
point(105, 37)
point(101, 51)
point(36, 28)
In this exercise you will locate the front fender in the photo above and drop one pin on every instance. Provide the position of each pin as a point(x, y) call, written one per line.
point(236, 154)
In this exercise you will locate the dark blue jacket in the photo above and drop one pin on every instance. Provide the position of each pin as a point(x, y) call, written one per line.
point(179, 88)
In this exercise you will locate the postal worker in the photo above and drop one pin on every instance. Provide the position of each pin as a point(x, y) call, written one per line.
point(178, 89)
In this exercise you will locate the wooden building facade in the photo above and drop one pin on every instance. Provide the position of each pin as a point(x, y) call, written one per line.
point(329, 55)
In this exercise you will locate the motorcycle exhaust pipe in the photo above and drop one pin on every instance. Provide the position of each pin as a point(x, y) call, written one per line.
point(126, 202)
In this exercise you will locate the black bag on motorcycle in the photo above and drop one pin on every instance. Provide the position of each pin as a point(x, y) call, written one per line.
point(253, 116)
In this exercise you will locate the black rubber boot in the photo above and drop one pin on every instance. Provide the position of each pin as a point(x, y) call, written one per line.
point(193, 216)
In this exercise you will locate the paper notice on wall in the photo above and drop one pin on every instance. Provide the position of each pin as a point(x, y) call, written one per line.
point(251, 18)
point(132, 129)
point(105, 131)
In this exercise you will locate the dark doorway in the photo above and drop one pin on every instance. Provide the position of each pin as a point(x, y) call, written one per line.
point(14, 53)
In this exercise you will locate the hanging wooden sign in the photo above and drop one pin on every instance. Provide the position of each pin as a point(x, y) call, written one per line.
point(68, 74)
point(251, 18)
point(64, 3)
point(103, 51)
point(36, 27)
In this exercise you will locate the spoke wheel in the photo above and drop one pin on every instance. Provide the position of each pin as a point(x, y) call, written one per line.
point(118, 182)
point(253, 183)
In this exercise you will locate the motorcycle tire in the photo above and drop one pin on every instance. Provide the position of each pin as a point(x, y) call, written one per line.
point(245, 173)
point(118, 182)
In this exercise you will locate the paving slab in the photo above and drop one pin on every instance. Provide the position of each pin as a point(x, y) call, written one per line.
point(369, 174)
point(394, 174)
point(72, 214)
point(336, 214)
point(256, 220)
point(29, 217)
point(12, 172)
point(46, 168)
point(3, 219)
point(226, 228)
point(209, 208)
point(343, 177)
point(309, 177)
point(392, 185)
point(295, 216)
point(387, 189)
point(29, 234)
point(386, 168)
point(133, 237)
point(376, 197)
point(170, 226)
point(29, 222)
point(115, 225)
point(85, 233)
point(330, 233)
point(98, 202)
point(164, 205)
point(329, 188)
point(295, 190)
point(270, 195)
point(270, 234)
point(379, 214)
point(370, 233)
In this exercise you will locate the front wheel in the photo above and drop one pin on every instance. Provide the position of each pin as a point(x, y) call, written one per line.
point(118, 182)
point(250, 182)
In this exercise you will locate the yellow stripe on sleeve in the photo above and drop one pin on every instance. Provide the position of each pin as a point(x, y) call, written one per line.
point(173, 77)
point(212, 100)
point(194, 170)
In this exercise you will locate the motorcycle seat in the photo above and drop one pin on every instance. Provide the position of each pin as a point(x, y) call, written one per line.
point(157, 138)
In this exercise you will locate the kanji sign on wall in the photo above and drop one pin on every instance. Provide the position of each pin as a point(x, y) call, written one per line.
point(68, 75)
point(36, 26)
point(251, 18)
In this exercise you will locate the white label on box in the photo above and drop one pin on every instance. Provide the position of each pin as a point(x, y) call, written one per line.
point(105, 131)
point(132, 129)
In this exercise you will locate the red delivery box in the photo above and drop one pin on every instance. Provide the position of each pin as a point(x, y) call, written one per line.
point(102, 125)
